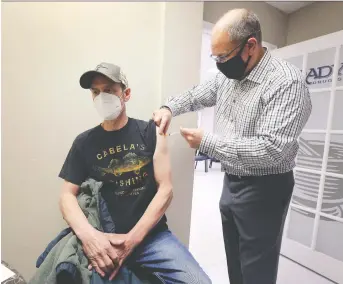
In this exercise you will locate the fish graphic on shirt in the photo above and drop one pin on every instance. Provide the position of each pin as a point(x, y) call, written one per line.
point(130, 163)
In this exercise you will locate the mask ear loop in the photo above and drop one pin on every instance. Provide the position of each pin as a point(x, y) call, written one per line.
point(240, 52)
point(246, 41)
point(122, 95)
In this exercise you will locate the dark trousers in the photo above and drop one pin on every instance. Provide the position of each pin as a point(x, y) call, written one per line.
point(253, 211)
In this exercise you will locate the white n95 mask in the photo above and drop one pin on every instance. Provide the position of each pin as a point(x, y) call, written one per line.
point(108, 106)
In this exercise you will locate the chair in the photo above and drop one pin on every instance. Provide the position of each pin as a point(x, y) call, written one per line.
point(201, 157)
point(213, 160)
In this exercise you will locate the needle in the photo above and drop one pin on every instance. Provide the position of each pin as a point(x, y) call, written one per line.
point(173, 133)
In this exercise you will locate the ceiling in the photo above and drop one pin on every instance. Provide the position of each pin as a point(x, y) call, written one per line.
point(288, 7)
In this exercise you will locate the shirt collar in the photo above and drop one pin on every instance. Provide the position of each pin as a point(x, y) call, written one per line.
point(259, 72)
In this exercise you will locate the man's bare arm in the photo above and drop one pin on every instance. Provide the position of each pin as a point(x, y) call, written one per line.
point(72, 212)
point(164, 195)
point(156, 208)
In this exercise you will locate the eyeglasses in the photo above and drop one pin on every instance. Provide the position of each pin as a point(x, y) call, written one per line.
point(223, 58)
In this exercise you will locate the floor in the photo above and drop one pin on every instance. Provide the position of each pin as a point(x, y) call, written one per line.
point(208, 249)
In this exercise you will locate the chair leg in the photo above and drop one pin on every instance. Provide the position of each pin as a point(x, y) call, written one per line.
point(211, 164)
point(196, 163)
point(206, 166)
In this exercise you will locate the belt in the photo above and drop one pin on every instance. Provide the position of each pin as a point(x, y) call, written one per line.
point(238, 178)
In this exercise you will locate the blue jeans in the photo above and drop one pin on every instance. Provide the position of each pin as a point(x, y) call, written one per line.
point(165, 257)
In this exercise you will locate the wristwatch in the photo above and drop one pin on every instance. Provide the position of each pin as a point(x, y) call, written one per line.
point(166, 108)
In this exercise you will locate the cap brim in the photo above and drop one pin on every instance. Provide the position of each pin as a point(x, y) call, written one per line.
point(87, 78)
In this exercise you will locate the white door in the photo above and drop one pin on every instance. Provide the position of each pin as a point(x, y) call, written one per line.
point(313, 233)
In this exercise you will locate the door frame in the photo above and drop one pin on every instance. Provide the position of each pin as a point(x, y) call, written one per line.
point(317, 261)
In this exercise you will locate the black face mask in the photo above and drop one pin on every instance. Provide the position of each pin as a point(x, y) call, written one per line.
point(235, 67)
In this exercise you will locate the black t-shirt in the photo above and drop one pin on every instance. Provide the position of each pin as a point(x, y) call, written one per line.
point(123, 161)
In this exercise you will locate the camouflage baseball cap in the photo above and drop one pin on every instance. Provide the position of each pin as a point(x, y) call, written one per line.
point(111, 71)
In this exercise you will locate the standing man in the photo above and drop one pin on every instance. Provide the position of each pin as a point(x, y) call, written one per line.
point(262, 104)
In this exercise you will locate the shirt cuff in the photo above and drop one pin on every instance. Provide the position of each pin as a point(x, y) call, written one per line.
point(173, 107)
point(208, 144)
point(214, 147)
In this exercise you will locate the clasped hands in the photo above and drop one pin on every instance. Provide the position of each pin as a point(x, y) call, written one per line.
point(107, 252)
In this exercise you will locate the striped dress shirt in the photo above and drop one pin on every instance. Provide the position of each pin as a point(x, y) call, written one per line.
point(257, 119)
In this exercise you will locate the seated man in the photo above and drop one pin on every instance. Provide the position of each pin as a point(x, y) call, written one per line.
point(132, 160)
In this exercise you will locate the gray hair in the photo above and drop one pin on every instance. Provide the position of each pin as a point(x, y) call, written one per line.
point(241, 27)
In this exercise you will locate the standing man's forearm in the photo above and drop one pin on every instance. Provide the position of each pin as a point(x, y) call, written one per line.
point(199, 97)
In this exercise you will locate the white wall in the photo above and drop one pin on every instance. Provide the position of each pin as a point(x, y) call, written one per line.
point(46, 46)
point(317, 19)
point(280, 29)
point(182, 29)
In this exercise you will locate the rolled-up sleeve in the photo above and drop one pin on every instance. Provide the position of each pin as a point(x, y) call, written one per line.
point(281, 123)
